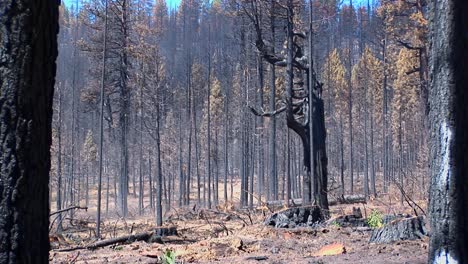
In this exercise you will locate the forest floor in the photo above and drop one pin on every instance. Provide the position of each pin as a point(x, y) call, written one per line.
point(227, 235)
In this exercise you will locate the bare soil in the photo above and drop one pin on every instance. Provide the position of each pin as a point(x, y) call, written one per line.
point(227, 235)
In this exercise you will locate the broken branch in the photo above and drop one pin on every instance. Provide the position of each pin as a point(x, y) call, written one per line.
point(68, 209)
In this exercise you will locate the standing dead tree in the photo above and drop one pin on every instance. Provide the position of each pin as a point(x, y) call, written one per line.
point(300, 83)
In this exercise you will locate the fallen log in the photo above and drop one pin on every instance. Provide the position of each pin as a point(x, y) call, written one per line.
point(124, 239)
point(154, 236)
point(257, 258)
point(352, 220)
point(401, 229)
point(279, 203)
point(346, 199)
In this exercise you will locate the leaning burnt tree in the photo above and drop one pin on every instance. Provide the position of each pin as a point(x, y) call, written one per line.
point(28, 49)
point(302, 103)
point(448, 96)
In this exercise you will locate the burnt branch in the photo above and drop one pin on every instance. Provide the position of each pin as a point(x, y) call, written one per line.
point(408, 45)
point(264, 113)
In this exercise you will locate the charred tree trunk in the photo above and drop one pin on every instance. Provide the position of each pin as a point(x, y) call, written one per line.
point(28, 49)
point(270, 194)
point(208, 136)
point(159, 181)
point(296, 106)
point(59, 161)
point(124, 111)
point(448, 96)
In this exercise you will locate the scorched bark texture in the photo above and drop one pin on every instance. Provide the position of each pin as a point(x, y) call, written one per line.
point(448, 95)
point(28, 49)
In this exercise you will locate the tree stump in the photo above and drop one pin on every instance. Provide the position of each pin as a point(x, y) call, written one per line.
point(300, 216)
point(401, 229)
point(353, 220)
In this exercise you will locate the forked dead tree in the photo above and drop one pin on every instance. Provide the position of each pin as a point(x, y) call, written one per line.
point(301, 86)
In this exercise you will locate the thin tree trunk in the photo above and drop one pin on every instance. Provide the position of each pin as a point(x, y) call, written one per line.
point(272, 139)
point(226, 140)
point(209, 120)
point(59, 161)
point(159, 183)
point(342, 157)
point(259, 130)
point(181, 171)
point(101, 125)
point(385, 121)
point(373, 189)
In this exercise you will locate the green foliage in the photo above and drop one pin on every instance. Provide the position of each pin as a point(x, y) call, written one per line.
point(169, 257)
point(335, 224)
point(375, 219)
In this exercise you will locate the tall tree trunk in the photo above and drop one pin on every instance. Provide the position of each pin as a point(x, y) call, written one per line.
point(350, 115)
point(124, 112)
point(209, 121)
point(197, 157)
point(226, 140)
point(73, 123)
point(260, 131)
point(159, 172)
point(181, 162)
point(216, 160)
point(28, 49)
point(141, 161)
point(150, 180)
point(272, 139)
point(448, 97)
point(372, 176)
point(342, 157)
point(309, 183)
point(59, 161)
point(190, 129)
point(385, 120)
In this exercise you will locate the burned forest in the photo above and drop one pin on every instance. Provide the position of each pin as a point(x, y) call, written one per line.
point(233, 131)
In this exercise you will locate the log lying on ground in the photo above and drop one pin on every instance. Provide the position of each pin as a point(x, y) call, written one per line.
point(401, 229)
point(148, 237)
point(279, 203)
point(154, 236)
point(298, 216)
point(346, 199)
point(352, 220)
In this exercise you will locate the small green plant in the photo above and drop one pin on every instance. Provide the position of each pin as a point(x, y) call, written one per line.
point(375, 219)
point(169, 257)
point(335, 224)
point(117, 248)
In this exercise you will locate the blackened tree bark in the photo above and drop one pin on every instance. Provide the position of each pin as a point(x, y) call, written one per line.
point(28, 49)
point(295, 103)
point(159, 189)
point(273, 179)
point(449, 137)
